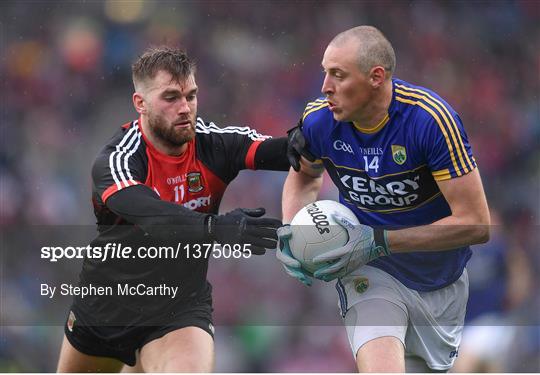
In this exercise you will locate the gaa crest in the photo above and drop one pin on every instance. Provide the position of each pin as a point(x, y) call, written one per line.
point(194, 182)
point(399, 154)
point(361, 284)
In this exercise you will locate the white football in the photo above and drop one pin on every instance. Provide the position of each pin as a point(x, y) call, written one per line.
point(314, 231)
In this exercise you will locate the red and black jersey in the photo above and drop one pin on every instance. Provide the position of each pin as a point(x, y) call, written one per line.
point(195, 180)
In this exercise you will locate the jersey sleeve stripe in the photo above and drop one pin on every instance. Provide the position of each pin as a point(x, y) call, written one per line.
point(119, 159)
point(205, 128)
point(112, 156)
point(441, 126)
point(453, 122)
point(108, 192)
point(443, 174)
point(120, 151)
point(128, 155)
point(440, 172)
point(124, 154)
point(314, 109)
point(250, 156)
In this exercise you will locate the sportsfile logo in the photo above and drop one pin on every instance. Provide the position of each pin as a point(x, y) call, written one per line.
point(339, 145)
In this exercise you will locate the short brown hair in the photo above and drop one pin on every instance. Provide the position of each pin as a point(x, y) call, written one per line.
point(174, 61)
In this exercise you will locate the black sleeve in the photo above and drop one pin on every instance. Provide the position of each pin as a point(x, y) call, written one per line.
point(141, 206)
point(271, 155)
point(226, 151)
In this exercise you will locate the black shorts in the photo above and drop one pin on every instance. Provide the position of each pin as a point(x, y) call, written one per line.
point(121, 342)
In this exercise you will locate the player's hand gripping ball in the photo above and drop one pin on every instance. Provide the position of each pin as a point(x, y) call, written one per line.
point(314, 232)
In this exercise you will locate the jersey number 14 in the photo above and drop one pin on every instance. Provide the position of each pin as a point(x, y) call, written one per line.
point(374, 164)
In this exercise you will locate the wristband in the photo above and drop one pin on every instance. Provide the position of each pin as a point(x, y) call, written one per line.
point(379, 236)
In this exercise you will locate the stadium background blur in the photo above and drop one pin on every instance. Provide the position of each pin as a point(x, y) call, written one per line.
point(66, 83)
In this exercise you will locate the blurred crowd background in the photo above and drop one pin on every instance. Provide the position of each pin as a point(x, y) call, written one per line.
point(66, 87)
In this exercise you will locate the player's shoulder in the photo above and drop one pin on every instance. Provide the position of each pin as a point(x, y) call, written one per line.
point(317, 112)
point(207, 130)
point(126, 135)
point(425, 103)
point(122, 159)
point(126, 140)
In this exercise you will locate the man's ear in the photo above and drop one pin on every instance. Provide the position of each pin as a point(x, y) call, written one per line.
point(377, 75)
point(139, 103)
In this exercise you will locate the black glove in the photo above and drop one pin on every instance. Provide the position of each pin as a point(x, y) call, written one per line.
point(242, 226)
point(298, 147)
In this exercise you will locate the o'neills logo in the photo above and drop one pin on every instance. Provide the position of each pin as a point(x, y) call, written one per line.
point(319, 218)
point(175, 180)
point(194, 182)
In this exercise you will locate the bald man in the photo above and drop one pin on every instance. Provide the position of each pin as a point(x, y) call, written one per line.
point(400, 158)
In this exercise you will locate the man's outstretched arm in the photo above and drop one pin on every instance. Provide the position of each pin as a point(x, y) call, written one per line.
point(143, 207)
point(165, 220)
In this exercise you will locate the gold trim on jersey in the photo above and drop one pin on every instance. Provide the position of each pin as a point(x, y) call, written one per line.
point(377, 127)
point(373, 178)
point(314, 109)
point(443, 174)
point(452, 127)
point(394, 209)
point(314, 103)
point(441, 126)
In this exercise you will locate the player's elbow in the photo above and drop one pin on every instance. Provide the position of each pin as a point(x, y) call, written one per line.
point(481, 234)
point(480, 228)
point(474, 227)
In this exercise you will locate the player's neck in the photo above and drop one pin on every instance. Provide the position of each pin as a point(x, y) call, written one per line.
point(159, 144)
point(375, 115)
